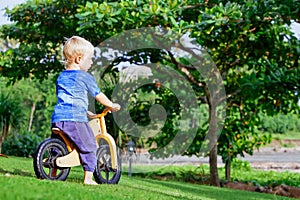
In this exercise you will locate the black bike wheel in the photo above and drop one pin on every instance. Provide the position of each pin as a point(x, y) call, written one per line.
point(44, 160)
point(104, 174)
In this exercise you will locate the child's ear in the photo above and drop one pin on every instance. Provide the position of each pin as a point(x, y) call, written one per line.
point(78, 59)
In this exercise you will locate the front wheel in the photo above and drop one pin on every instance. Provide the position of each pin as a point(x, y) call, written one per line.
point(44, 160)
point(104, 174)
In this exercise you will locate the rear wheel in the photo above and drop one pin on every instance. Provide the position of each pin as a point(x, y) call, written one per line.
point(104, 173)
point(44, 160)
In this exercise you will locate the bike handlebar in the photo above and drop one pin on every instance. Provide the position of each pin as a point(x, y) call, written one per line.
point(94, 116)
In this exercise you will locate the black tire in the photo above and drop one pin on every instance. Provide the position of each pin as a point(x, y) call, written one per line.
point(44, 160)
point(104, 174)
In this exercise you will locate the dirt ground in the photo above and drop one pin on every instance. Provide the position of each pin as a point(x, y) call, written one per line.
point(282, 190)
point(289, 148)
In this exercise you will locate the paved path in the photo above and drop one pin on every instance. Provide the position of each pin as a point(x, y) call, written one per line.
point(279, 159)
point(276, 157)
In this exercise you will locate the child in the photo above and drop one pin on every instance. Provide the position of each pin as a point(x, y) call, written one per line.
point(70, 112)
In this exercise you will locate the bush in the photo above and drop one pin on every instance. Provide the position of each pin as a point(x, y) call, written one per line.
point(280, 123)
point(238, 164)
point(21, 145)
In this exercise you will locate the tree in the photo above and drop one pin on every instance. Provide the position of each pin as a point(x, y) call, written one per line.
point(250, 42)
point(6, 43)
point(37, 101)
point(256, 72)
point(40, 29)
point(11, 116)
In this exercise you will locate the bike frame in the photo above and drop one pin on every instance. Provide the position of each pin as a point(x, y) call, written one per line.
point(97, 123)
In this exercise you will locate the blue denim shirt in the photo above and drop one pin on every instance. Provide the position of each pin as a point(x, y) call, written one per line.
point(72, 88)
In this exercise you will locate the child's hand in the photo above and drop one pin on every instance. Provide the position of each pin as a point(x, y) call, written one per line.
point(115, 107)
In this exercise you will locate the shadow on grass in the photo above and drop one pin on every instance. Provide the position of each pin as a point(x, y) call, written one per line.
point(208, 191)
point(76, 174)
point(168, 195)
point(17, 172)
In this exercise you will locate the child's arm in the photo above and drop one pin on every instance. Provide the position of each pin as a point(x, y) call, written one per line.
point(102, 98)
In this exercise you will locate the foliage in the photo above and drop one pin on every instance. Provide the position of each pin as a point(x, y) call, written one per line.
point(42, 96)
point(280, 123)
point(7, 43)
point(240, 165)
point(242, 172)
point(255, 71)
point(266, 178)
point(140, 105)
point(40, 33)
point(22, 96)
point(22, 145)
point(11, 116)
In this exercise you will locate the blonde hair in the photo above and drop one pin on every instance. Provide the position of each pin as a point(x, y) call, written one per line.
point(74, 47)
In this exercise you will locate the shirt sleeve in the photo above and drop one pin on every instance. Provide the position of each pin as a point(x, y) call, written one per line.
point(92, 86)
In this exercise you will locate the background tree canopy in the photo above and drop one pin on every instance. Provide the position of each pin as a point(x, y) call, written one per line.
point(250, 42)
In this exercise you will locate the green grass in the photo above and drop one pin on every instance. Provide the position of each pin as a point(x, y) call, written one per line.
point(241, 172)
point(18, 181)
point(289, 135)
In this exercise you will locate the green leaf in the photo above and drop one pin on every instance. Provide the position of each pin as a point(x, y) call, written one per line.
point(174, 22)
point(100, 15)
point(252, 37)
point(114, 20)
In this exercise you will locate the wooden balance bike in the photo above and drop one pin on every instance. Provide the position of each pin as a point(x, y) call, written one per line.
point(55, 156)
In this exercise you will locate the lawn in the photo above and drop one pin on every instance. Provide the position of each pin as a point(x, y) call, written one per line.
point(18, 181)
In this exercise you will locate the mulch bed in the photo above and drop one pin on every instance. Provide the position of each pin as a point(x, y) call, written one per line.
point(282, 190)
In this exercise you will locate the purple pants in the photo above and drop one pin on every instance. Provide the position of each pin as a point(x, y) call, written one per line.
point(82, 135)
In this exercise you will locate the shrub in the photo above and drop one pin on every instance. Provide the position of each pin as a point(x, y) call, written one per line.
point(21, 144)
point(280, 123)
point(240, 165)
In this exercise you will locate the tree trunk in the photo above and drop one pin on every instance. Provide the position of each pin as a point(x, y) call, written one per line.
point(228, 169)
point(213, 153)
point(213, 163)
point(31, 116)
point(4, 133)
point(0, 146)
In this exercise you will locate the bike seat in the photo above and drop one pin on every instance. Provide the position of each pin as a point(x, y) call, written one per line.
point(70, 145)
point(56, 130)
